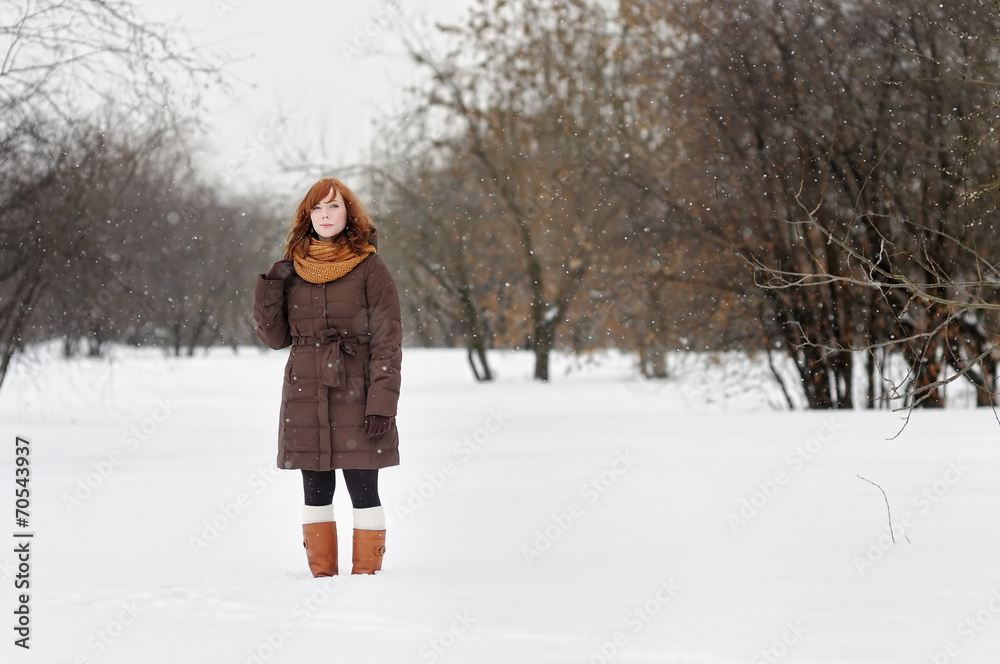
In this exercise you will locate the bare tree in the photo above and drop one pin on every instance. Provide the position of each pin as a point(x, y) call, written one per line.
point(919, 246)
point(523, 106)
point(438, 232)
point(86, 89)
point(786, 124)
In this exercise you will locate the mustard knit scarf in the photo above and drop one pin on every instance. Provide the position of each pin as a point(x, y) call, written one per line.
point(327, 261)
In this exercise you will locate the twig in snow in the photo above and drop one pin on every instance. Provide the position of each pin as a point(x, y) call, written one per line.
point(886, 505)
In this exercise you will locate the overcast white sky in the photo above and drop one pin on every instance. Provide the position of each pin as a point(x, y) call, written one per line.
point(281, 46)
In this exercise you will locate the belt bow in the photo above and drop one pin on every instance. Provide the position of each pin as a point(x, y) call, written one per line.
point(333, 367)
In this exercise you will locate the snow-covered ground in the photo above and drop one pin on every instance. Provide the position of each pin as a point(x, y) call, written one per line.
point(598, 518)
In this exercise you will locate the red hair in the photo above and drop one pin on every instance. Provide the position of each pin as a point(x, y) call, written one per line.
point(359, 224)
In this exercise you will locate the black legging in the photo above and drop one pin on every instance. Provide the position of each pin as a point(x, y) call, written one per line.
point(362, 485)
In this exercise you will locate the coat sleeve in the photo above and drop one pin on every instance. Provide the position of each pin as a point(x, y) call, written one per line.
point(271, 313)
point(386, 339)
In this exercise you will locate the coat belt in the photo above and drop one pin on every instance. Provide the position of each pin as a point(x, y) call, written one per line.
point(332, 365)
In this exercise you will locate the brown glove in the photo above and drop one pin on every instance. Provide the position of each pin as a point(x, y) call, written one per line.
point(377, 425)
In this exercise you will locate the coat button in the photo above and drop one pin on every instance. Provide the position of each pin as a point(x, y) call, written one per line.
point(319, 311)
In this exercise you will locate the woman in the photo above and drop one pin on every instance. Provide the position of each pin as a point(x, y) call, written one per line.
point(333, 301)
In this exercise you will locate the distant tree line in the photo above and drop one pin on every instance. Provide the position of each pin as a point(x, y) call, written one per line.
point(808, 178)
point(107, 230)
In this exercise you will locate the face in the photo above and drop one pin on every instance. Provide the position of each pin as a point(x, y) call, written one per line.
point(329, 217)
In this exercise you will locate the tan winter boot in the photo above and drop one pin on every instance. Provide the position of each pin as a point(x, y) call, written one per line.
point(320, 541)
point(369, 547)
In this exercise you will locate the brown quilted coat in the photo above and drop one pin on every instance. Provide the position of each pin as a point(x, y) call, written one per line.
point(344, 364)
